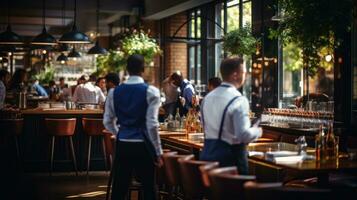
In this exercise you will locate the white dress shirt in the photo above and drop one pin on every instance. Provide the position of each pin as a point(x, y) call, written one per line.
point(170, 90)
point(152, 113)
point(236, 127)
point(88, 93)
point(2, 94)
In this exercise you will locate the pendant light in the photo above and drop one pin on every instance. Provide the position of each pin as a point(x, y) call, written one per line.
point(74, 54)
point(63, 47)
point(62, 58)
point(97, 49)
point(44, 38)
point(8, 37)
point(74, 36)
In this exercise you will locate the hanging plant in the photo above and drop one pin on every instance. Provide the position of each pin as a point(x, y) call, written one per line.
point(45, 75)
point(314, 26)
point(141, 43)
point(240, 41)
point(113, 61)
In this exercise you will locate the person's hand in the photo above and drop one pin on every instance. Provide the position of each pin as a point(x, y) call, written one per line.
point(159, 162)
point(183, 101)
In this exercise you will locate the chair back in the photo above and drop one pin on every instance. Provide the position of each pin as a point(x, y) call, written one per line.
point(227, 184)
point(255, 191)
point(191, 177)
point(172, 170)
point(205, 169)
point(93, 127)
point(12, 127)
point(60, 127)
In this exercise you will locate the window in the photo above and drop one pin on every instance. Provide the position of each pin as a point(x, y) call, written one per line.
point(194, 46)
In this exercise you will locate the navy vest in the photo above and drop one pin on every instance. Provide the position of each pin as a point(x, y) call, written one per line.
point(130, 107)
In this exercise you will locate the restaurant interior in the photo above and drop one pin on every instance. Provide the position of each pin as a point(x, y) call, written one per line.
point(300, 64)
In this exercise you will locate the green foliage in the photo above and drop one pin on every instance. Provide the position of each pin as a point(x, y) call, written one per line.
point(113, 61)
point(140, 43)
point(292, 58)
point(240, 41)
point(46, 75)
point(313, 25)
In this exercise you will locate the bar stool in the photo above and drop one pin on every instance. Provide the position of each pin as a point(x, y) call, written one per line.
point(109, 139)
point(13, 128)
point(61, 128)
point(94, 128)
point(227, 184)
point(191, 177)
point(173, 173)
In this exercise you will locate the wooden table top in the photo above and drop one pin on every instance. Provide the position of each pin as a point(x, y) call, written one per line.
point(39, 111)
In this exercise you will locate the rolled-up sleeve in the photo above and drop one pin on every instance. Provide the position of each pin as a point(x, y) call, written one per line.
point(109, 118)
point(152, 122)
point(241, 122)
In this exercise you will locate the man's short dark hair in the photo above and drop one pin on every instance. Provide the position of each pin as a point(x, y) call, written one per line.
point(229, 65)
point(136, 64)
point(215, 81)
point(61, 79)
point(112, 77)
point(3, 73)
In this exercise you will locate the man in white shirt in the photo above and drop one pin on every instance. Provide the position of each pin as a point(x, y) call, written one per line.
point(88, 93)
point(225, 117)
point(4, 79)
point(131, 112)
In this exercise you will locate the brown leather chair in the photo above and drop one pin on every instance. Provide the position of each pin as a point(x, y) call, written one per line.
point(94, 128)
point(205, 169)
point(257, 191)
point(172, 172)
point(192, 184)
point(227, 184)
point(61, 128)
point(12, 128)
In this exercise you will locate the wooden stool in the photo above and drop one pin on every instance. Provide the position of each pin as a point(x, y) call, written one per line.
point(13, 128)
point(61, 128)
point(94, 128)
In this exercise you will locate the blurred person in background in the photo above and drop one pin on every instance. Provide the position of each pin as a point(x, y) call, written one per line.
point(4, 79)
point(40, 90)
point(171, 95)
point(213, 83)
point(101, 83)
point(86, 92)
point(187, 91)
point(19, 80)
point(112, 80)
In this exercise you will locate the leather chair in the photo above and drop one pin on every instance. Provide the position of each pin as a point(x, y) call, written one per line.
point(192, 184)
point(12, 128)
point(172, 172)
point(205, 169)
point(94, 128)
point(227, 184)
point(61, 128)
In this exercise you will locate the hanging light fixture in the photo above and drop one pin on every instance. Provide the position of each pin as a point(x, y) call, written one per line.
point(62, 58)
point(8, 37)
point(97, 49)
point(74, 54)
point(74, 36)
point(44, 38)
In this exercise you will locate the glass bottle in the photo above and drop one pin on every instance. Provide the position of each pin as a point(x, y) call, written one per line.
point(320, 144)
point(177, 119)
point(330, 143)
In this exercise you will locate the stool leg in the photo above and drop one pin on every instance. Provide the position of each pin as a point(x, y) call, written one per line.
point(109, 185)
point(52, 150)
point(105, 154)
point(73, 155)
point(17, 148)
point(89, 151)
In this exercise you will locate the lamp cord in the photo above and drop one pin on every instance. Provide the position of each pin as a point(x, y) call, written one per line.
point(8, 12)
point(97, 12)
point(44, 13)
point(75, 12)
point(63, 12)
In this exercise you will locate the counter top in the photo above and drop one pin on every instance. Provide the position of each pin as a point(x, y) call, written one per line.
point(40, 111)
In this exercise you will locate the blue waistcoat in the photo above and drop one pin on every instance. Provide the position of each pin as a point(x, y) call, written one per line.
point(130, 108)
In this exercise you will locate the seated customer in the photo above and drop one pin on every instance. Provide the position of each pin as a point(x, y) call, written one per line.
point(38, 88)
point(225, 117)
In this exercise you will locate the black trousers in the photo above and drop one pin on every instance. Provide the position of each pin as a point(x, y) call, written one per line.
point(130, 157)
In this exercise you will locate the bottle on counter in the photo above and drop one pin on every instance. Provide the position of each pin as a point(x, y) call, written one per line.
point(331, 143)
point(320, 144)
point(177, 119)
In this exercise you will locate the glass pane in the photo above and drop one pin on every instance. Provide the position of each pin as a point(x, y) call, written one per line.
point(198, 23)
point(192, 26)
point(247, 13)
point(247, 88)
point(219, 57)
point(191, 72)
point(198, 65)
point(232, 18)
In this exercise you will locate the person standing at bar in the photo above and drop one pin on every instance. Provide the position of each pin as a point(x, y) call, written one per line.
point(87, 92)
point(171, 95)
point(112, 80)
point(226, 121)
point(187, 91)
point(131, 111)
point(4, 79)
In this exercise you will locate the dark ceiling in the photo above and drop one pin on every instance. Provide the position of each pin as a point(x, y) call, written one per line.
point(26, 15)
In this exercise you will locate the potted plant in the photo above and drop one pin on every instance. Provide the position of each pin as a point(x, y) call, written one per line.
point(113, 61)
point(240, 41)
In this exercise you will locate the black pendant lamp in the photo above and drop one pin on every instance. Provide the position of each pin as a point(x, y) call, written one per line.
point(74, 36)
point(8, 37)
point(97, 49)
point(62, 58)
point(74, 54)
point(44, 38)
